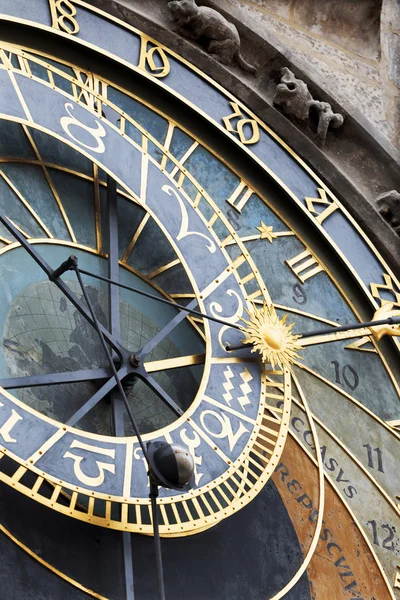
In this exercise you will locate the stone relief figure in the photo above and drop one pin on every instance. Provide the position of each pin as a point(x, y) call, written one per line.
point(296, 100)
point(209, 26)
point(389, 207)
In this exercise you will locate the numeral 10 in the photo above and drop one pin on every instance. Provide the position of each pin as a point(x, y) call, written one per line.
point(347, 374)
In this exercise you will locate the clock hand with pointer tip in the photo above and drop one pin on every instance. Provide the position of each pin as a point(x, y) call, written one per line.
point(275, 341)
point(265, 331)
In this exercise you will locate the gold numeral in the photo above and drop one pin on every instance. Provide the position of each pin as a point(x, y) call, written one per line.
point(240, 197)
point(7, 57)
point(331, 206)
point(96, 85)
point(389, 288)
point(147, 60)
point(92, 481)
point(304, 265)
point(246, 129)
point(5, 430)
point(63, 14)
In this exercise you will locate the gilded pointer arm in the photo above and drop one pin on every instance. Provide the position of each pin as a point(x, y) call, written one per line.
point(275, 341)
point(332, 336)
point(385, 321)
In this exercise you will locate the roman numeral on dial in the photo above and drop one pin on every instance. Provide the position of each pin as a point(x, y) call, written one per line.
point(239, 198)
point(304, 265)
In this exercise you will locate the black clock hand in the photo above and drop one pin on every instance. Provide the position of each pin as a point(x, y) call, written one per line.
point(187, 308)
point(166, 330)
point(378, 327)
point(354, 326)
point(58, 282)
point(95, 399)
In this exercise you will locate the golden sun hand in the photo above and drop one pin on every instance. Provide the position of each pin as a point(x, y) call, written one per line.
point(271, 336)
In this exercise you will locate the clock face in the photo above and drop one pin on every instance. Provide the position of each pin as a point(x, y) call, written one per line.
point(168, 242)
point(184, 224)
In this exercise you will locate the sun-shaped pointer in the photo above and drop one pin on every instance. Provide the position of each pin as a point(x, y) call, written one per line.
point(271, 336)
point(277, 345)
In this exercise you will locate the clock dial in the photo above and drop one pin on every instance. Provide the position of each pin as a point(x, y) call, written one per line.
point(167, 229)
point(187, 227)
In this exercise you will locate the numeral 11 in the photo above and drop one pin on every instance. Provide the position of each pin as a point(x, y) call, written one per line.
point(370, 457)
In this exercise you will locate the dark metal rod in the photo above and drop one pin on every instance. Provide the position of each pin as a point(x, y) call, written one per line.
point(232, 348)
point(128, 564)
point(110, 360)
point(157, 389)
point(59, 283)
point(157, 545)
point(95, 399)
point(117, 403)
point(163, 300)
point(166, 330)
point(113, 265)
point(112, 365)
point(153, 492)
point(11, 383)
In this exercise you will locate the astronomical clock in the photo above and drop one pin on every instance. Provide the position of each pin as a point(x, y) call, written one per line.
point(242, 328)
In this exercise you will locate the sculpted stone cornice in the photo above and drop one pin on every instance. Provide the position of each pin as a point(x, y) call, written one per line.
point(356, 162)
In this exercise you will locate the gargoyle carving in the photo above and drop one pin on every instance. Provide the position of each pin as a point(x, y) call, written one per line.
point(209, 26)
point(389, 207)
point(296, 100)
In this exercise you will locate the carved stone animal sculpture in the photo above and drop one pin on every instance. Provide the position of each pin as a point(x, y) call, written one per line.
point(389, 207)
point(293, 95)
point(295, 98)
point(326, 117)
point(208, 25)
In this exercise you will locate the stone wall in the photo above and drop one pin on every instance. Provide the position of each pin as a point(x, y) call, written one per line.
point(350, 48)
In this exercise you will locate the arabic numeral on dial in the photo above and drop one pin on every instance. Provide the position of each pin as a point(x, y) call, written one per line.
point(346, 374)
point(371, 462)
point(299, 294)
point(389, 538)
point(387, 542)
point(374, 532)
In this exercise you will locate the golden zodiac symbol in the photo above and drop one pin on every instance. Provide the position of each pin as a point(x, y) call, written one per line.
point(192, 444)
point(5, 430)
point(226, 427)
point(63, 13)
point(96, 132)
point(241, 124)
point(211, 247)
point(92, 481)
point(147, 61)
